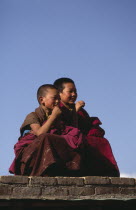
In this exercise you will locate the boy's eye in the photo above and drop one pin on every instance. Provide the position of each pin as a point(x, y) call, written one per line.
point(56, 98)
point(71, 91)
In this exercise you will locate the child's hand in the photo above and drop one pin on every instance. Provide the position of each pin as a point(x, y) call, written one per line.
point(56, 111)
point(79, 105)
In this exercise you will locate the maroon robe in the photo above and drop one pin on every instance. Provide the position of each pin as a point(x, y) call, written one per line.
point(59, 152)
point(64, 151)
point(99, 159)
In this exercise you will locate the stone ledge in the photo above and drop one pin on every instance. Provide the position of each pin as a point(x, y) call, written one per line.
point(67, 188)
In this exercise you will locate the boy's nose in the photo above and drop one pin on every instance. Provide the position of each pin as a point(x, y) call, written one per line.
point(73, 93)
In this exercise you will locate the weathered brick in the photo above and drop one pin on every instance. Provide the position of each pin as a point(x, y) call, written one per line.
point(26, 192)
point(96, 180)
point(70, 181)
point(48, 181)
point(81, 191)
point(122, 181)
point(128, 191)
point(65, 188)
point(54, 191)
point(106, 190)
point(14, 179)
point(5, 190)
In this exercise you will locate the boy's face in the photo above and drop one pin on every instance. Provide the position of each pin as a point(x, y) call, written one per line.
point(69, 93)
point(51, 99)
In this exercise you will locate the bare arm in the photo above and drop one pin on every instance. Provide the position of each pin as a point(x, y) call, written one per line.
point(37, 129)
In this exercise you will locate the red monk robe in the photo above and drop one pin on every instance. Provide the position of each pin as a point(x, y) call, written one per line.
point(59, 152)
point(99, 159)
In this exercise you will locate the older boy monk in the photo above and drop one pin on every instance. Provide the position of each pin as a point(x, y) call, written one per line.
point(46, 146)
point(99, 160)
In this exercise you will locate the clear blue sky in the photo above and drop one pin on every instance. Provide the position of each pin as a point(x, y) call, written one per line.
point(91, 41)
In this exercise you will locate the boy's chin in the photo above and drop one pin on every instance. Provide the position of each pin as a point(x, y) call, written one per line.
point(71, 102)
point(50, 108)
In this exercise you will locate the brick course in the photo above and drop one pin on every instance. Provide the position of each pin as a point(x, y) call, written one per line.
point(24, 188)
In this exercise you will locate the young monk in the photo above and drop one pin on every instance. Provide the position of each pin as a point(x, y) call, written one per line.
point(99, 159)
point(46, 146)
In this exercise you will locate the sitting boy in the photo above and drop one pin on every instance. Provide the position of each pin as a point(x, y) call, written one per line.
point(46, 146)
point(99, 159)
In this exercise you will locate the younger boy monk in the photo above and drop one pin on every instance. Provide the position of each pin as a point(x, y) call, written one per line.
point(99, 159)
point(46, 146)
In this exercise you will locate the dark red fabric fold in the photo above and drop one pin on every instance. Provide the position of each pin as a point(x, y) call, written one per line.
point(66, 150)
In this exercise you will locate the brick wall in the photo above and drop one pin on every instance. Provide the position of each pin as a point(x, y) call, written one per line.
point(92, 192)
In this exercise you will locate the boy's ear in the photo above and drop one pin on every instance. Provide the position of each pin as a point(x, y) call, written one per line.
point(60, 93)
point(40, 99)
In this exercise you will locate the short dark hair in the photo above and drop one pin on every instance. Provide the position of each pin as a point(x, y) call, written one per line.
point(43, 89)
point(58, 83)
